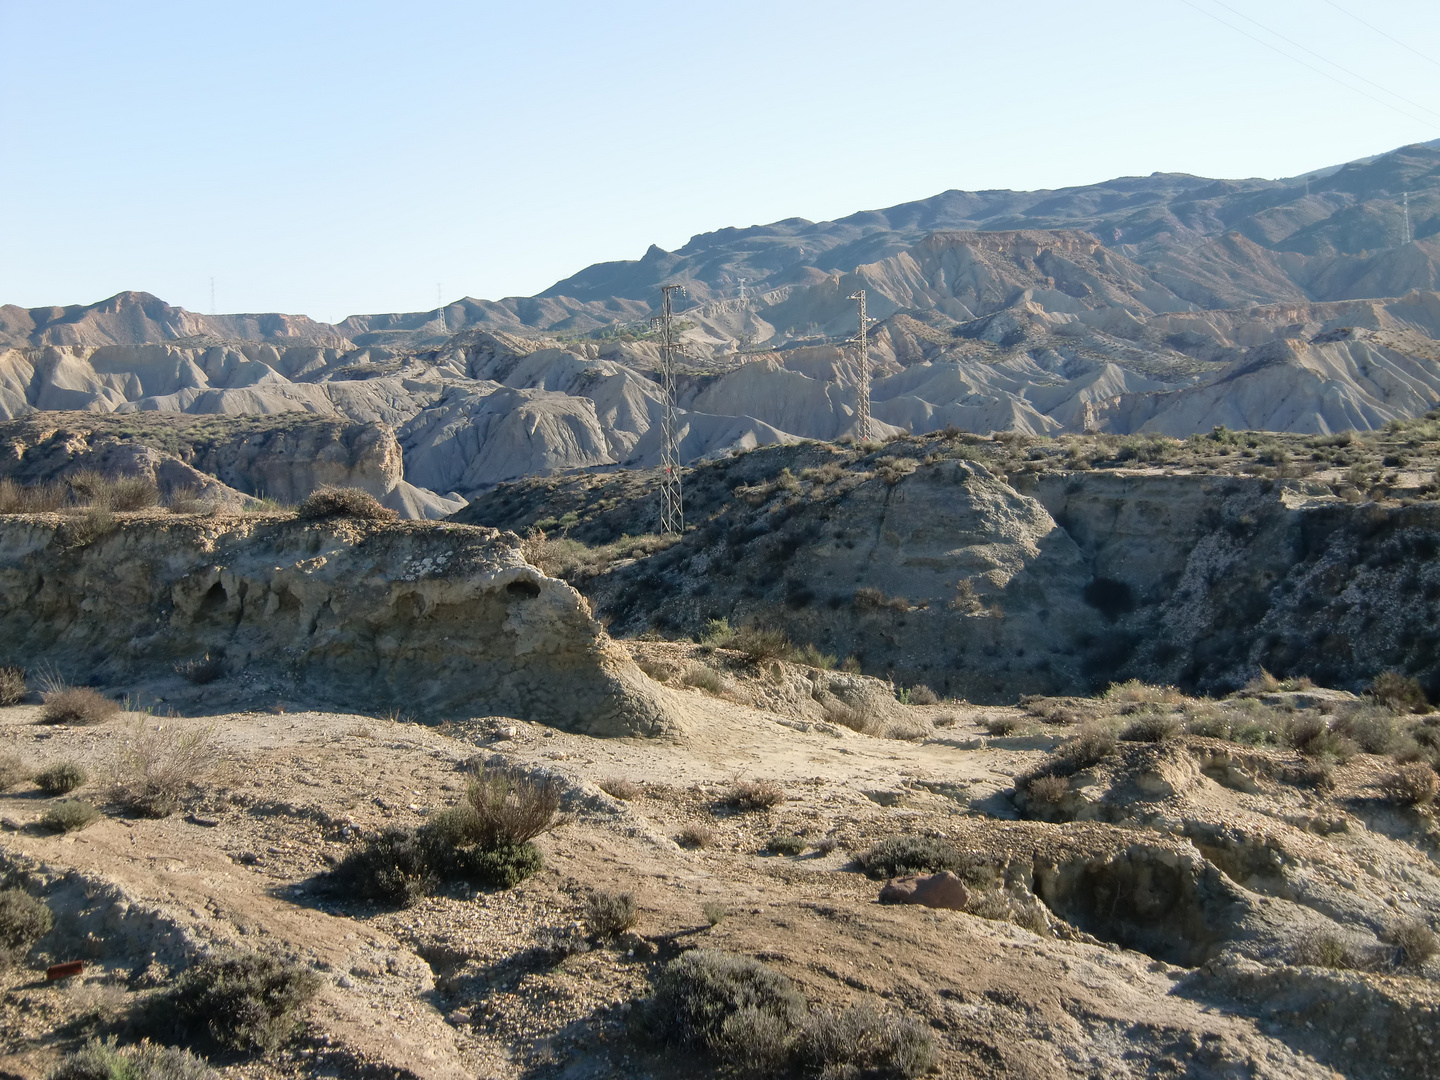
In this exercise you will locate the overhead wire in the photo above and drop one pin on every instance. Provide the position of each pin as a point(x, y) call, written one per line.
point(1382, 33)
point(1302, 63)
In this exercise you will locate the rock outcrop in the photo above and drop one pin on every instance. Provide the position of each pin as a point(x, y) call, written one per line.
point(442, 620)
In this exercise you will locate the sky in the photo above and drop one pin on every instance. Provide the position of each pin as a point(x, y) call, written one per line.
point(331, 159)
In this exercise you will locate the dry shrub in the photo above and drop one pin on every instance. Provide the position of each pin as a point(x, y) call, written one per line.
point(69, 815)
point(1092, 745)
point(201, 671)
point(608, 914)
point(923, 695)
point(1400, 692)
point(696, 836)
point(77, 705)
point(703, 677)
point(1000, 726)
point(1373, 729)
point(899, 855)
point(863, 1042)
point(908, 728)
point(97, 521)
point(870, 599)
point(61, 778)
point(344, 502)
point(12, 685)
point(659, 670)
point(108, 1060)
point(760, 643)
point(619, 787)
point(155, 767)
point(1313, 737)
point(1154, 728)
point(1413, 942)
point(24, 920)
point(1411, 785)
point(245, 1000)
point(786, 844)
point(1048, 789)
point(513, 807)
point(713, 912)
point(30, 498)
point(755, 795)
point(1133, 691)
point(1322, 949)
point(12, 771)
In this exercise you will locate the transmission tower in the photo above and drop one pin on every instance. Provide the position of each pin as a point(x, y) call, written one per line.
point(1406, 205)
point(672, 505)
point(862, 406)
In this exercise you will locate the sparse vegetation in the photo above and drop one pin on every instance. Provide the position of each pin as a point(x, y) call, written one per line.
point(861, 1042)
point(619, 787)
point(107, 1060)
point(69, 815)
point(696, 835)
point(755, 795)
point(157, 765)
point(77, 705)
point(12, 771)
point(24, 920)
point(900, 855)
point(245, 1000)
point(1412, 942)
point(1321, 949)
point(202, 670)
point(12, 685)
point(60, 778)
point(1415, 784)
point(786, 844)
point(1399, 692)
point(703, 677)
point(344, 502)
point(1153, 728)
point(1092, 745)
point(714, 913)
point(1048, 789)
point(610, 914)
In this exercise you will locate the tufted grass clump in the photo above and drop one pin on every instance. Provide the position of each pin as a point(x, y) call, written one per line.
point(77, 705)
point(69, 815)
point(622, 788)
point(610, 914)
point(108, 1060)
point(24, 920)
point(246, 1001)
point(1322, 949)
point(60, 778)
point(344, 502)
point(157, 766)
point(696, 835)
point(1151, 728)
point(703, 677)
point(755, 795)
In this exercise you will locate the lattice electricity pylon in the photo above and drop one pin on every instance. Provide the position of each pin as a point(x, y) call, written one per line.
point(1406, 205)
point(672, 502)
point(862, 395)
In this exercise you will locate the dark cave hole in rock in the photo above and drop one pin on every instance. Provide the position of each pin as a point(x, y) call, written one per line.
point(522, 590)
point(1110, 597)
point(215, 600)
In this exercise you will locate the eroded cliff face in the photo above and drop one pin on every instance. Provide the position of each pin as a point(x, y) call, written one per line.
point(435, 620)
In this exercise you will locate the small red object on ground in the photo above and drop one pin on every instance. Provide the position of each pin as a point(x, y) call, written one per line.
point(64, 971)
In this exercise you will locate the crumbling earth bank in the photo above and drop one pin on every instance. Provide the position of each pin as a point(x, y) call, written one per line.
point(449, 619)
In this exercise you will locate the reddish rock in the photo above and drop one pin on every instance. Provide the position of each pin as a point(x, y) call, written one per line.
point(942, 890)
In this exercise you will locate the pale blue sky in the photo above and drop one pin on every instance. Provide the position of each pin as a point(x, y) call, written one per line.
point(338, 158)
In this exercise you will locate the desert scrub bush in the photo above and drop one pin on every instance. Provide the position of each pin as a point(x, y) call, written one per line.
point(755, 795)
point(899, 855)
point(60, 778)
point(1092, 745)
point(1000, 726)
point(923, 695)
point(69, 815)
point(1401, 693)
point(786, 844)
point(155, 767)
point(703, 677)
point(1133, 691)
point(12, 771)
point(1313, 737)
point(24, 920)
point(1048, 790)
point(12, 685)
point(344, 502)
point(1412, 943)
point(1415, 784)
point(186, 500)
point(201, 671)
point(1210, 722)
point(245, 1000)
point(1374, 730)
point(77, 705)
point(717, 634)
point(861, 716)
point(393, 867)
point(714, 913)
point(610, 914)
point(696, 836)
point(659, 670)
point(870, 599)
point(30, 498)
point(862, 1042)
point(511, 806)
point(1153, 728)
point(1321, 949)
point(762, 643)
point(108, 1060)
point(733, 1006)
point(811, 656)
point(622, 788)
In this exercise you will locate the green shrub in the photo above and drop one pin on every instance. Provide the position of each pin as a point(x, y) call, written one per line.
point(392, 867)
point(608, 914)
point(714, 913)
point(245, 1000)
point(344, 502)
point(12, 771)
point(731, 1005)
point(1153, 728)
point(61, 778)
point(786, 844)
point(77, 705)
point(24, 920)
point(156, 766)
point(12, 685)
point(69, 815)
point(108, 1061)
point(1400, 692)
point(863, 1042)
point(899, 855)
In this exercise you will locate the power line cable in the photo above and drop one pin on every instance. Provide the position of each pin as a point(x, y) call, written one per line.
point(1382, 33)
point(1327, 60)
point(1302, 63)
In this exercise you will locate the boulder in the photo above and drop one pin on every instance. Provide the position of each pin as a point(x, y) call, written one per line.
point(942, 890)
